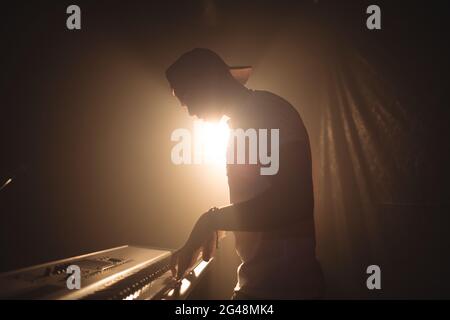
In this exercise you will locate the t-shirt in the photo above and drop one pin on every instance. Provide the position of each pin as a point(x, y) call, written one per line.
point(281, 264)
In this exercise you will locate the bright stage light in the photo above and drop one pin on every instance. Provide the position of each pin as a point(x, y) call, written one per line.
point(211, 139)
point(6, 183)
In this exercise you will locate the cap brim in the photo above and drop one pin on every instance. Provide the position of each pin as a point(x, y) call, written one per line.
point(241, 74)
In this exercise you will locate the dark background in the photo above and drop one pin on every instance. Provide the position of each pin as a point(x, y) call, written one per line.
point(86, 117)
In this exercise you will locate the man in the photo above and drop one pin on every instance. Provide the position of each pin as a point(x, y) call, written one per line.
point(270, 215)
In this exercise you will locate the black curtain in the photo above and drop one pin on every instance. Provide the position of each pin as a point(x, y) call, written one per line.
point(380, 144)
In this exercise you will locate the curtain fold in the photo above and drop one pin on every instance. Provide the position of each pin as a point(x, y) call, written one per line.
point(364, 143)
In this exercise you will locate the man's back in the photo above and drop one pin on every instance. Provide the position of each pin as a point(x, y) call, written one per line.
point(281, 263)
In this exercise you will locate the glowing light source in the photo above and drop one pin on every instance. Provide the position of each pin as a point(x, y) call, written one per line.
point(185, 284)
point(199, 269)
point(6, 183)
point(211, 141)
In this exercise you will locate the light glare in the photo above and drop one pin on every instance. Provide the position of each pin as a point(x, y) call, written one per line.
point(213, 139)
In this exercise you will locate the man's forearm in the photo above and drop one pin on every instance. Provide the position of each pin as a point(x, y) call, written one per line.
point(265, 212)
point(288, 202)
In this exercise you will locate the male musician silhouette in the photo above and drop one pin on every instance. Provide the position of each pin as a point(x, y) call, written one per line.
point(271, 215)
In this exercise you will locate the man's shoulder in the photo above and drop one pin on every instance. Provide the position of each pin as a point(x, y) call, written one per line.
point(271, 99)
point(277, 113)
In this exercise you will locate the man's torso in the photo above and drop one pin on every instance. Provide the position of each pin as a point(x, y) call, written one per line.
point(272, 267)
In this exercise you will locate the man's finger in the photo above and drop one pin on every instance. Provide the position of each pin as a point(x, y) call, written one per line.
point(206, 254)
point(208, 248)
point(174, 263)
point(183, 265)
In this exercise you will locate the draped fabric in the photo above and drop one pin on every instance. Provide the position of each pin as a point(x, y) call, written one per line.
point(372, 160)
point(354, 169)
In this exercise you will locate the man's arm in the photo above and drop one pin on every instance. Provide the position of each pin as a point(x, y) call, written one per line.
point(287, 202)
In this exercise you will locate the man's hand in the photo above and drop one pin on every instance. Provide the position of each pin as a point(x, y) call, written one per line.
point(182, 260)
point(185, 258)
point(201, 240)
point(209, 247)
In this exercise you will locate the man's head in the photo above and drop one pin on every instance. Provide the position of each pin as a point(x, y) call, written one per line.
point(202, 82)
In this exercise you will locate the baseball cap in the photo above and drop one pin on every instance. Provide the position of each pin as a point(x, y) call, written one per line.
point(202, 63)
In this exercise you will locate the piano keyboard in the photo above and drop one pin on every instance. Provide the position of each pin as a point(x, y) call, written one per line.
point(125, 273)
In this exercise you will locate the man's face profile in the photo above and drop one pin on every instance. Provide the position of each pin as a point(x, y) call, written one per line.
point(201, 102)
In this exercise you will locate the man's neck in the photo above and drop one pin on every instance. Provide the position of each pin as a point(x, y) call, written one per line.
point(237, 104)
